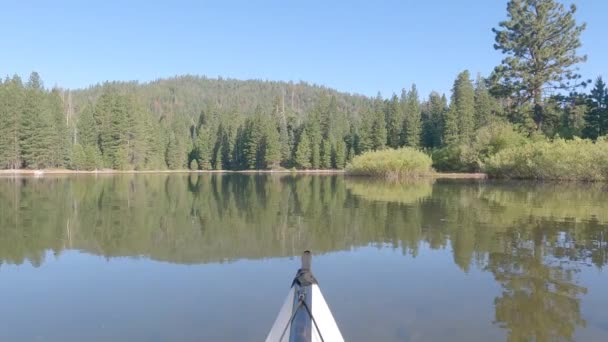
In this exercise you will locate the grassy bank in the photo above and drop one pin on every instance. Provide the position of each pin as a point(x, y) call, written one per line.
point(392, 164)
point(578, 159)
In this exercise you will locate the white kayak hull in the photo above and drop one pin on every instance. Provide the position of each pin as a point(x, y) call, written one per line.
point(305, 317)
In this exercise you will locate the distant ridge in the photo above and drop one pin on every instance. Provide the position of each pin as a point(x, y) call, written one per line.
point(190, 94)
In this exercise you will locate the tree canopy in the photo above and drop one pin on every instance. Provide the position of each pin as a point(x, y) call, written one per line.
point(540, 39)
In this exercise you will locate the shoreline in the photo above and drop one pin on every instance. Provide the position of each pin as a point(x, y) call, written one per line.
point(42, 173)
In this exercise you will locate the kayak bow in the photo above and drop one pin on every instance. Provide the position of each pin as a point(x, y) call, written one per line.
point(305, 316)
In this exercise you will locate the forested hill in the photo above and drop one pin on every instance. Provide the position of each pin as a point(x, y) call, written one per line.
point(189, 95)
point(182, 122)
point(199, 123)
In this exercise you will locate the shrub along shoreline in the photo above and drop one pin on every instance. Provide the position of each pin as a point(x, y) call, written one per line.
point(498, 151)
point(501, 151)
point(577, 159)
point(405, 162)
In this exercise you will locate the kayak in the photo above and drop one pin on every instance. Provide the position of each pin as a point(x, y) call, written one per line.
point(305, 316)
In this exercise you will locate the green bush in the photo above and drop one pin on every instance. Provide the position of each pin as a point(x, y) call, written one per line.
point(393, 164)
point(488, 141)
point(577, 159)
point(455, 158)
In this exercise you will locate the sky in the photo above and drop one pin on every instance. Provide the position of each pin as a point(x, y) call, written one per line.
point(354, 46)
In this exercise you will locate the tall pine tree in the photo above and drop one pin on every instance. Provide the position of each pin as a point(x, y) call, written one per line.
point(596, 118)
point(32, 131)
point(483, 103)
point(272, 144)
point(463, 106)
point(378, 130)
point(314, 132)
point(303, 152)
point(11, 107)
point(59, 149)
point(339, 160)
point(433, 115)
point(325, 154)
point(394, 119)
point(539, 39)
point(412, 127)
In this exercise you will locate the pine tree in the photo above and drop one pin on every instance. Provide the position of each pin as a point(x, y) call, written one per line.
point(78, 158)
point(4, 119)
point(339, 160)
point(203, 149)
point(251, 140)
point(433, 116)
point(94, 159)
point(364, 138)
point(121, 158)
point(31, 122)
point(119, 129)
point(378, 133)
point(174, 153)
point(412, 126)
point(59, 144)
point(573, 115)
point(136, 141)
point(272, 144)
point(238, 153)
point(596, 117)
point(325, 154)
point(86, 128)
point(539, 39)
point(43, 147)
point(314, 132)
point(284, 143)
point(463, 106)
point(155, 142)
point(228, 146)
point(115, 128)
point(102, 115)
point(483, 103)
point(303, 152)
point(352, 143)
point(5, 136)
point(394, 119)
point(323, 115)
point(337, 122)
point(450, 132)
point(11, 102)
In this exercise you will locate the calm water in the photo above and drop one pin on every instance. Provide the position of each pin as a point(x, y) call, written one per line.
point(210, 258)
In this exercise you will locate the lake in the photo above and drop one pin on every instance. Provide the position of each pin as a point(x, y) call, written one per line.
point(189, 257)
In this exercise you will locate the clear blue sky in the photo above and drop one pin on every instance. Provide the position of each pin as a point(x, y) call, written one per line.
point(354, 46)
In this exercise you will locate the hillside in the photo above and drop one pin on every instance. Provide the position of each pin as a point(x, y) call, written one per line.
point(188, 95)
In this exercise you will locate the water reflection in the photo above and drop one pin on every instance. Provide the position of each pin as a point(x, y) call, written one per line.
point(533, 238)
point(541, 298)
point(208, 218)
